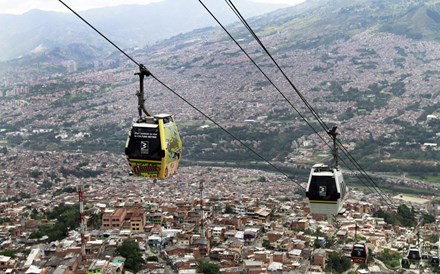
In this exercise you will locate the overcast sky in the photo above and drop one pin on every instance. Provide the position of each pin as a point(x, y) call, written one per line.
point(22, 6)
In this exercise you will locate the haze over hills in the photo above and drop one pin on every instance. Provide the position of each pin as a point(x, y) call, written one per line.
point(320, 22)
point(365, 67)
point(128, 25)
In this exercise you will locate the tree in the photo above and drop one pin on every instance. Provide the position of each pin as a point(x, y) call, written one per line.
point(130, 250)
point(35, 173)
point(391, 260)
point(152, 259)
point(95, 220)
point(266, 244)
point(406, 216)
point(229, 209)
point(66, 216)
point(206, 267)
point(8, 252)
point(69, 189)
point(338, 263)
point(428, 219)
point(317, 243)
point(35, 214)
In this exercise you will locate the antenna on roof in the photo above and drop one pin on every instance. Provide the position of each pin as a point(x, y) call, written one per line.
point(82, 222)
point(202, 232)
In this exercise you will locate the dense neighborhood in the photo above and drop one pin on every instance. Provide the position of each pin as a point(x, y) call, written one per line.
point(69, 204)
point(243, 221)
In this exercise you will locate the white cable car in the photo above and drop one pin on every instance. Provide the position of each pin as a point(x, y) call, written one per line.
point(326, 188)
point(435, 262)
point(412, 257)
point(414, 254)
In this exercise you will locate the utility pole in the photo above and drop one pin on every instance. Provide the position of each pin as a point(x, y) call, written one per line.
point(82, 222)
point(202, 232)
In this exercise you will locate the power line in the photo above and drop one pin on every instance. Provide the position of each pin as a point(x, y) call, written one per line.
point(314, 113)
point(102, 35)
point(271, 82)
point(261, 70)
point(225, 130)
point(182, 98)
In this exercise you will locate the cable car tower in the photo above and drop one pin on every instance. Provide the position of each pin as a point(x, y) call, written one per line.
point(143, 71)
point(334, 134)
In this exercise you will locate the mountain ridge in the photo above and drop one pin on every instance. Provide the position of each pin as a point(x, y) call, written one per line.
point(127, 25)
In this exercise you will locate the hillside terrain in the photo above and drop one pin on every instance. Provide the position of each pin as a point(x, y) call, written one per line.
point(369, 67)
point(238, 202)
point(132, 26)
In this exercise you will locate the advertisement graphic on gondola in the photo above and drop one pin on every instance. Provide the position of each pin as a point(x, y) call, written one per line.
point(145, 151)
point(173, 147)
point(145, 147)
point(148, 145)
point(172, 142)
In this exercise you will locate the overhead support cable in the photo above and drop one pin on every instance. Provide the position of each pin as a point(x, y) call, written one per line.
point(270, 81)
point(311, 109)
point(261, 70)
point(257, 39)
point(226, 131)
point(141, 66)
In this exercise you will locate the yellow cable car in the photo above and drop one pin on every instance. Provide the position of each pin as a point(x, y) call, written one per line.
point(153, 147)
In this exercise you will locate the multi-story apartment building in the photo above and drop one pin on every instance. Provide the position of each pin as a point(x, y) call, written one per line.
point(125, 218)
point(114, 220)
point(137, 219)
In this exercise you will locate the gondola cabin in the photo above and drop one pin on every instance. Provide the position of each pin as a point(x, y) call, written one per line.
point(326, 190)
point(359, 253)
point(435, 262)
point(414, 255)
point(405, 263)
point(154, 147)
